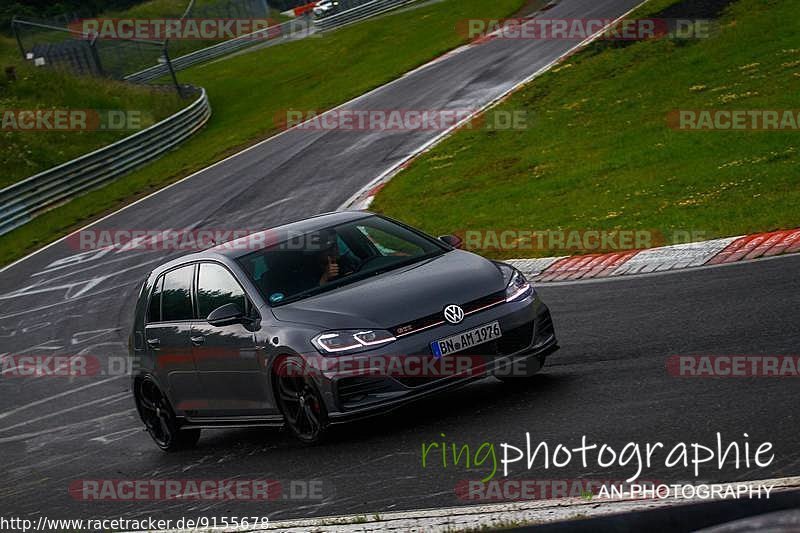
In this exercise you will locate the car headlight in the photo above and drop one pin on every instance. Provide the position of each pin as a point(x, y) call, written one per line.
point(518, 287)
point(351, 341)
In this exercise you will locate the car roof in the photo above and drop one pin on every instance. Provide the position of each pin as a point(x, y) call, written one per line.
point(236, 248)
point(245, 245)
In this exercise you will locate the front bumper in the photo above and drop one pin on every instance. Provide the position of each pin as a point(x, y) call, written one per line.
point(528, 337)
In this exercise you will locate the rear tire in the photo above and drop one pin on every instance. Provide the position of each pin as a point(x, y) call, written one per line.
point(159, 418)
point(300, 401)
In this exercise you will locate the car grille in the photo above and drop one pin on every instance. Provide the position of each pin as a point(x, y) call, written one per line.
point(429, 321)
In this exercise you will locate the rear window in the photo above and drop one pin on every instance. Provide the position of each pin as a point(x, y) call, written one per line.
point(154, 311)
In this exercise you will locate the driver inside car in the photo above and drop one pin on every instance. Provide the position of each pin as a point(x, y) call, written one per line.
point(333, 264)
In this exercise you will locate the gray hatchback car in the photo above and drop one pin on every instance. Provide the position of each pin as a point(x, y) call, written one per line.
point(324, 320)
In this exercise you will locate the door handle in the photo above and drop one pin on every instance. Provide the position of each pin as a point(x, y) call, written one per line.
point(154, 343)
point(197, 341)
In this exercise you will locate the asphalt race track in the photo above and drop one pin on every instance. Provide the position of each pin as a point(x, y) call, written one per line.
point(609, 381)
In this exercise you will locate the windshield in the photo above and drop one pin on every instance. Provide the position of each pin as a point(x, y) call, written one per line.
point(326, 259)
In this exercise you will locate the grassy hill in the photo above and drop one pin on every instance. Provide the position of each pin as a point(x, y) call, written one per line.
point(310, 74)
point(23, 154)
point(599, 154)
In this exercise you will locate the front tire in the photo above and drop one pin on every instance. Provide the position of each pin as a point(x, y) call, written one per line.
point(300, 401)
point(159, 419)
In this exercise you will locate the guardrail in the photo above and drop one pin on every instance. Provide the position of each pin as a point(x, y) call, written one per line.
point(297, 28)
point(364, 11)
point(29, 198)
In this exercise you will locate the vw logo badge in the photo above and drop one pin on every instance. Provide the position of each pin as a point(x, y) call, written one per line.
point(453, 314)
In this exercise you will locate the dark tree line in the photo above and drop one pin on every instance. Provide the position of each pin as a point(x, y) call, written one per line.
point(60, 10)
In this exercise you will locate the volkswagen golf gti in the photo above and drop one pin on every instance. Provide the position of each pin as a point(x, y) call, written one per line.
point(321, 321)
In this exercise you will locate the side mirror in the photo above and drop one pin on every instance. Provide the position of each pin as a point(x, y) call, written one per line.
point(226, 315)
point(452, 240)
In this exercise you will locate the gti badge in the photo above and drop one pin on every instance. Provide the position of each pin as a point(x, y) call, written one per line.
point(453, 314)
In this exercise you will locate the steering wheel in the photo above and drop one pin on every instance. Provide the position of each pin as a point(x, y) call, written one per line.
point(365, 262)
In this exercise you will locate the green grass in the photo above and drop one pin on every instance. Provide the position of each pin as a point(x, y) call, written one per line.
point(247, 91)
point(23, 154)
point(598, 153)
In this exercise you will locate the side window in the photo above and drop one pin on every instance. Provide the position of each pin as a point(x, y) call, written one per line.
point(154, 311)
point(217, 287)
point(176, 295)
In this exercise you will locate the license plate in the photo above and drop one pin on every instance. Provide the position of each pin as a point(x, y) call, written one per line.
point(467, 339)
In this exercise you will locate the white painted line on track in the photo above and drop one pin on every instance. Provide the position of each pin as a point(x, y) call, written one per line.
point(56, 396)
point(478, 517)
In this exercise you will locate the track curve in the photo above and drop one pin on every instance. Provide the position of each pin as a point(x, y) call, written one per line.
point(608, 381)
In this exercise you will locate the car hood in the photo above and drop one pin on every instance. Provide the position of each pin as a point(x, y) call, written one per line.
point(399, 296)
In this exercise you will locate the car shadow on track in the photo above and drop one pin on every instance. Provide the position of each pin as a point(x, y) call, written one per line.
point(485, 398)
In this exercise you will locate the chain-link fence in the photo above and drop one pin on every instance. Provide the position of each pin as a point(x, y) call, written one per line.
point(144, 60)
point(61, 43)
point(48, 45)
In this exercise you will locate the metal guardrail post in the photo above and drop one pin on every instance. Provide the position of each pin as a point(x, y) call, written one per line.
point(188, 10)
point(167, 60)
point(15, 31)
point(96, 56)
